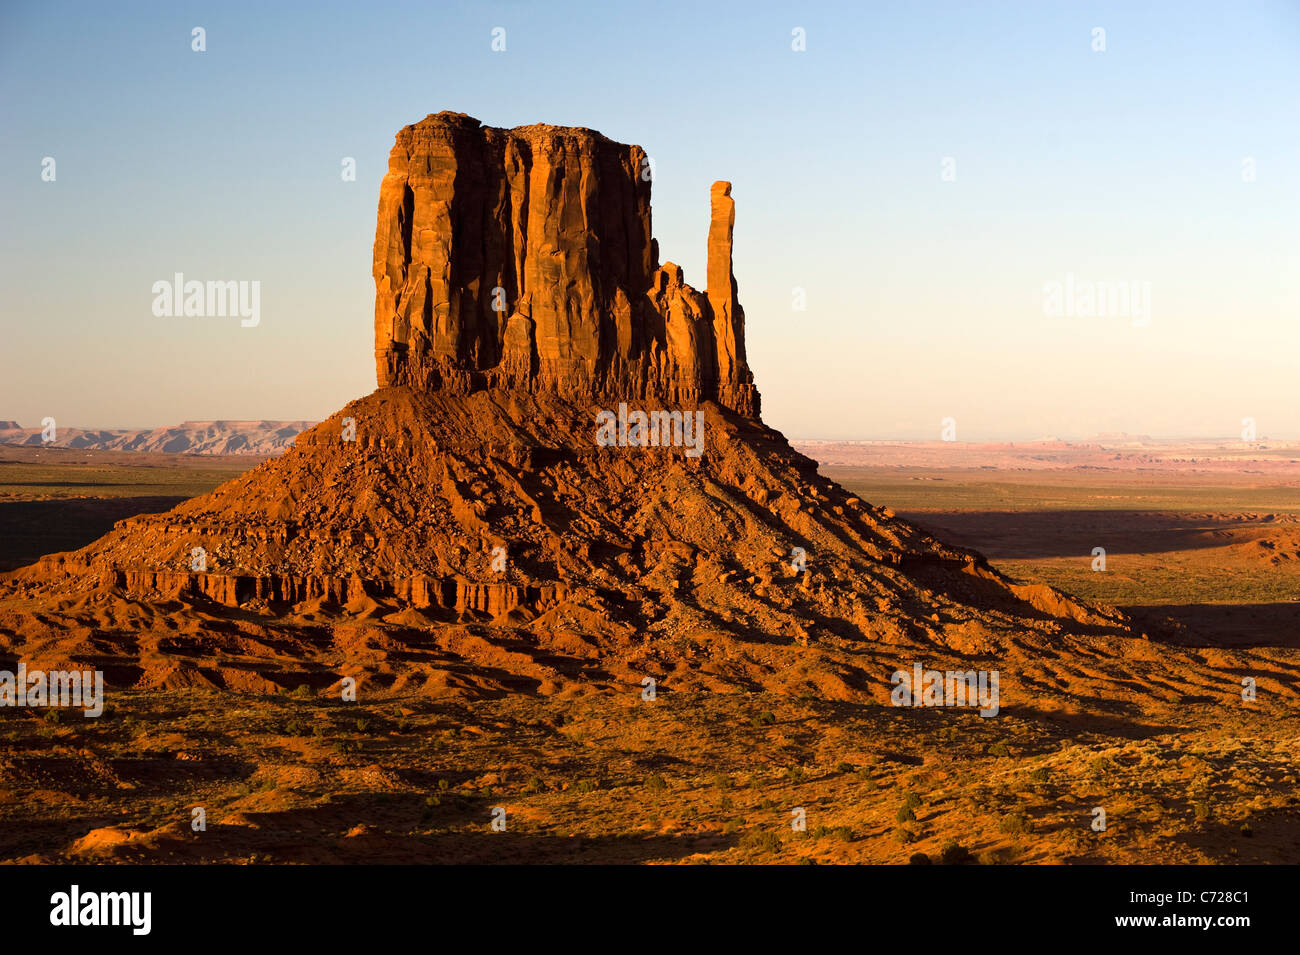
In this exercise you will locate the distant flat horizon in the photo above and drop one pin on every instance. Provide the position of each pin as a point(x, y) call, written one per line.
point(13, 432)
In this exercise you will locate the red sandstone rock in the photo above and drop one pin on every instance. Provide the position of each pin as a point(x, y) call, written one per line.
point(480, 441)
point(523, 259)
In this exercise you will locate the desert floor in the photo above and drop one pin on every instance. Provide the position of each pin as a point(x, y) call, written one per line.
point(1201, 558)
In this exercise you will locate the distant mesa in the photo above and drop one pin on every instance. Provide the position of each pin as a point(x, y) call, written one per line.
point(189, 437)
point(1120, 437)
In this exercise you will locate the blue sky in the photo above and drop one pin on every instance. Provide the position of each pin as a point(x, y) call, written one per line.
point(924, 296)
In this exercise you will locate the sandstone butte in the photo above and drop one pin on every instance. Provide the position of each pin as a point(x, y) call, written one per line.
point(522, 260)
point(459, 530)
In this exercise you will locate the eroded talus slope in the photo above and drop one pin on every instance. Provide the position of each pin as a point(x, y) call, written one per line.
point(503, 513)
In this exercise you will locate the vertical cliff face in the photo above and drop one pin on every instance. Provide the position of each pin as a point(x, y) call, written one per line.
point(523, 258)
point(728, 317)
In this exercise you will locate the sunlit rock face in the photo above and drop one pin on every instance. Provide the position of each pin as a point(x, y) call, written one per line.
point(523, 259)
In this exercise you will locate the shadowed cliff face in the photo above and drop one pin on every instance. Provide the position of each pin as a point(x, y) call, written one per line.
point(523, 258)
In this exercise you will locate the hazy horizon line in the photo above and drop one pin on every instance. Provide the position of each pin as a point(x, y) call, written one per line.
point(1096, 438)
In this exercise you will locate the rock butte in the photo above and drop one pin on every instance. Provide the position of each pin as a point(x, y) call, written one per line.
point(523, 258)
point(473, 538)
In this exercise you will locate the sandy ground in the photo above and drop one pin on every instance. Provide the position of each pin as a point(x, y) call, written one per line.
point(1184, 770)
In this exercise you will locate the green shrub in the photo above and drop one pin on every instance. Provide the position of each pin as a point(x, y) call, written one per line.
point(953, 853)
point(1100, 766)
point(1014, 823)
point(655, 783)
point(760, 840)
point(428, 813)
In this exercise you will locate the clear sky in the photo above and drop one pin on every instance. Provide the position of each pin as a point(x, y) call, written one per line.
point(1171, 160)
